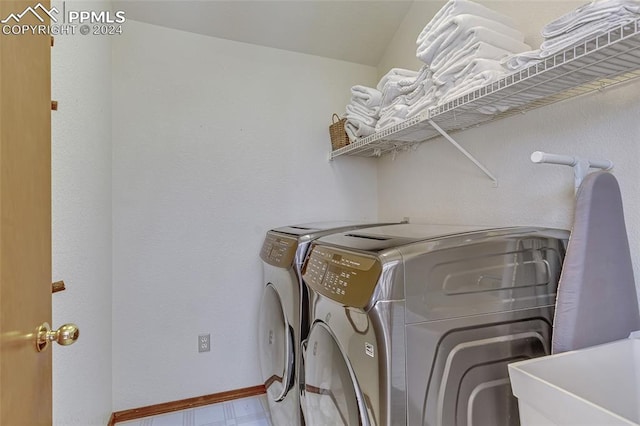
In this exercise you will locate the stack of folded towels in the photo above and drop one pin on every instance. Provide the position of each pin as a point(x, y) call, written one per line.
point(587, 21)
point(400, 90)
point(463, 48)
point(464, 45)
point(362, 112)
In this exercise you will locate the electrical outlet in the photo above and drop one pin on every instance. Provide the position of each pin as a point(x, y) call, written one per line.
point(204, 343)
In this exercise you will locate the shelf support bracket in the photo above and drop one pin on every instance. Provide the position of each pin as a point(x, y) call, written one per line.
point(580, 166)
point(465, 152)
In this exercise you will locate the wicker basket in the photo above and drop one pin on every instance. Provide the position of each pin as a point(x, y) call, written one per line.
point(339, 137)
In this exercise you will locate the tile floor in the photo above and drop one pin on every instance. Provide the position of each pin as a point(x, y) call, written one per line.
point(252, 411)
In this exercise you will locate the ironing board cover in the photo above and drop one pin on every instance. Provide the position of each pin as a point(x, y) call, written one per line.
point(597, 300)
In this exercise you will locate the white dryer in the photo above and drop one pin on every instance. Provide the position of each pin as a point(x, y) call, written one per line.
point(283, 320)
point(415, 324)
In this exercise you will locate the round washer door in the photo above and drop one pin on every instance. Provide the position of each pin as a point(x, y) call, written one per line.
point(330, 392)
point(275, 343)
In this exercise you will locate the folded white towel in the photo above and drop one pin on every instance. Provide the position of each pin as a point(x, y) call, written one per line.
point(397, 88)
point(479, 35)
point(392, 90)
point(458, 75)
point(395, 74)
point(461, 7)
point(356, 108)
point(423, 74)
point(592, 29)
point(389, 95)
point(472, 83)
point(389, 109)
point(426, 101)
point(593, 11)
point(463, 58)
point(422, 90)
point(356, 129)
point(360, 113)
point(407, 81)
point(366, 96)
point(477, 50)
point(522, 60)
point(392, 110)
point(455, 32)
point(409, 99)
point(395, 115)
point(409, 105)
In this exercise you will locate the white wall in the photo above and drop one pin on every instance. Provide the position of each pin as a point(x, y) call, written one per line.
point(81, 210)
point(214, 142)
point(436, 183)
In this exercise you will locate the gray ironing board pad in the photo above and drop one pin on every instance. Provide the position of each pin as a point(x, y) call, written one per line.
point(597, 300)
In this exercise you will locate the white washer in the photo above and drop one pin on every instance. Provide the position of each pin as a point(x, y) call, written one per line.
point(415, 324)
point(284, 313)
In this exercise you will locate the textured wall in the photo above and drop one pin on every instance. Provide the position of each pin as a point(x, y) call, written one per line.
point(214, 142)
point(81, 210)
point(437, 183)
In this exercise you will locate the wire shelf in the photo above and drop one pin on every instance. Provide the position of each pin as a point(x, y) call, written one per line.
point(594, 64)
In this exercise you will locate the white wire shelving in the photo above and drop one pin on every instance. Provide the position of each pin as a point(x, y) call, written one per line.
point(596, 63)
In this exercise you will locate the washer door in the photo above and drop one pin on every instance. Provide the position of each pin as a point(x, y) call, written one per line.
point(331, 394)
point(275, 342)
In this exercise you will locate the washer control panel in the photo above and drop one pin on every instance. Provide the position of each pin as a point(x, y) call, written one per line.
point(279, 250)
point(348, 278)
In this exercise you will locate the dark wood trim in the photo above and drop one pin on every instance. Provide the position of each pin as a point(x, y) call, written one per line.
point(184, 404)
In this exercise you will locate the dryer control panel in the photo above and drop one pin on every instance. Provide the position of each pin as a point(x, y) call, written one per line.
point(346, 277)
point(279, 250)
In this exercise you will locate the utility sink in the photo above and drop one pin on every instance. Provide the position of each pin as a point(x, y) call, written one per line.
point(594, 386)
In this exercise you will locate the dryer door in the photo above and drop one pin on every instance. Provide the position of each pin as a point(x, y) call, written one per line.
point(332, 396)
point(275, 345)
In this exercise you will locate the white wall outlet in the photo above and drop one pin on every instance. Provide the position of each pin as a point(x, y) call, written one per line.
point(204, 343)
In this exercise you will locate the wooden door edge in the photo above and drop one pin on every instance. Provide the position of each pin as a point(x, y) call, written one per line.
point(184, 404)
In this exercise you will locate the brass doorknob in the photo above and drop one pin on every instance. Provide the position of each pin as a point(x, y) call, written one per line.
point(65, 335)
